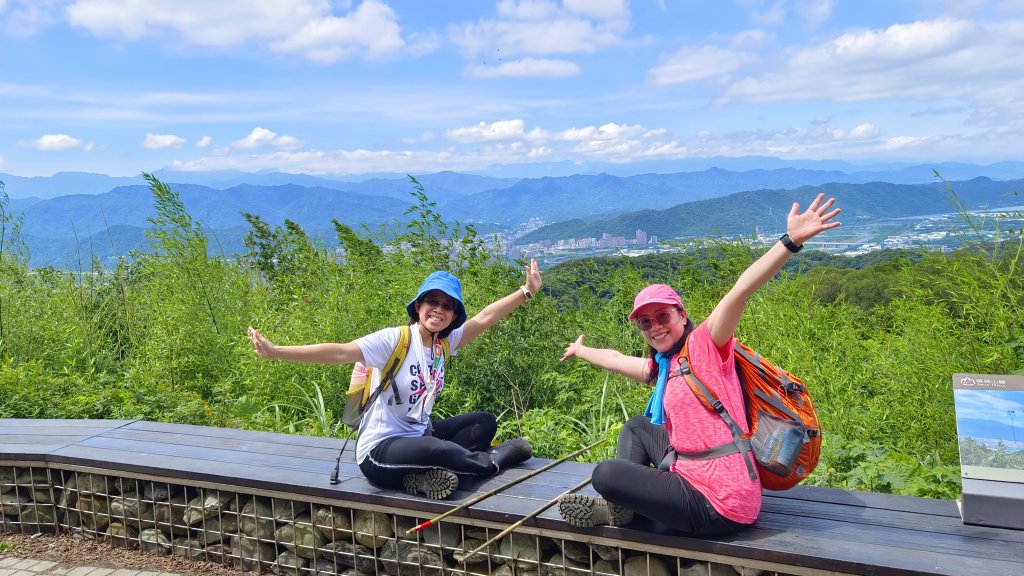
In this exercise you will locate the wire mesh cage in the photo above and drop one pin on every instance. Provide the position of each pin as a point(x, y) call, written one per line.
point(260, 532)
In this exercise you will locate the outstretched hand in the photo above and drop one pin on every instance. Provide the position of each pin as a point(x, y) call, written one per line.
point(802, 226)
point(263, 346)
point(572, 349)
point(533, 279)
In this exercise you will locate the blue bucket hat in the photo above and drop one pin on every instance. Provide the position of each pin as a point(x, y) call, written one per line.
point(448, 284)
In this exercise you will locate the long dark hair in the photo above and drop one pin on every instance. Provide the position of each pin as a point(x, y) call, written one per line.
point(671, 352)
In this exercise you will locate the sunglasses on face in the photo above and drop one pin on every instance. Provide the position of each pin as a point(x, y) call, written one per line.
point(662, 319)
point(446, 305)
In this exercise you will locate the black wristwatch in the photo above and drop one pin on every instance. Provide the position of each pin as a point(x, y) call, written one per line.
point(789, 244)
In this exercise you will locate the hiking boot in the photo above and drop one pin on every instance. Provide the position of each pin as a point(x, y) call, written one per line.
point(510, 453)
point(435, 483)
point(585, 511)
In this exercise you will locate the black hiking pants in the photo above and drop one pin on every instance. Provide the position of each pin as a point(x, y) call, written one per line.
point(632, 480)
point(460, 444)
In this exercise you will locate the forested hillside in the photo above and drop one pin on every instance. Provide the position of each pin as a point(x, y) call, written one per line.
point(744, 212)
point(162, 335)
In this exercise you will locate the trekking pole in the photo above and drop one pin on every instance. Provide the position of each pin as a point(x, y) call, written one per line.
point(490, 493)
point(533, 514)
point(337, 464)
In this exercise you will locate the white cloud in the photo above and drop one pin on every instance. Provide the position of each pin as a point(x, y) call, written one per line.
point(767, 12)
point(527, 9)
point(26, 17)
point(921, 60)
point(372, 30)
point(751, 38)
point(599, 9)
point(50, 142)
point(204, 142)
point(604, 133)
point(693, 64)
point(260, 137)
point(538, 27)
point(815, 11)
point(526, 68)
point(865, 130)
point(901, 142)
point(304, 27)
point(486, 132)
point(161, 141)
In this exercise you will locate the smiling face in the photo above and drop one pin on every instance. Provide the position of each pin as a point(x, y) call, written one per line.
point(661, 324)
point(436, 310)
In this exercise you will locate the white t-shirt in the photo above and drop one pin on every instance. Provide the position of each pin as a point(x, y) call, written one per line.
point(389, 416)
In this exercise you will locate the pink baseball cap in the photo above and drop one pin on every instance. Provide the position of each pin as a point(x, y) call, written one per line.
point(655, 294)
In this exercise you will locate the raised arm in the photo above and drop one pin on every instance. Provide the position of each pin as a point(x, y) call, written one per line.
point(326, 353)
point(801, 227)
point(498, 309)
point(628, 366)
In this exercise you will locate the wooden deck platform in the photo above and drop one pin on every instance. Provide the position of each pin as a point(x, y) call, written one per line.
point(802, 531)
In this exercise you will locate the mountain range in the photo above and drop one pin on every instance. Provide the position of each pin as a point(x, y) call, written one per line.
point(743, 212)
point(69, 213)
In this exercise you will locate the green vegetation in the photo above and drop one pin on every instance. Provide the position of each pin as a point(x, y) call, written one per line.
point(161, 336)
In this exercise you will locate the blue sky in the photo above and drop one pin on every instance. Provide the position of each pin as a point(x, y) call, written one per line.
point(414, 86)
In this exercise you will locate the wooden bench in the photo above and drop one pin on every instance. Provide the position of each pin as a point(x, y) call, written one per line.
point(806, 530)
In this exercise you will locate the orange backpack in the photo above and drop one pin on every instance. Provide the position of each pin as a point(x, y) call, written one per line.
point(784, 433)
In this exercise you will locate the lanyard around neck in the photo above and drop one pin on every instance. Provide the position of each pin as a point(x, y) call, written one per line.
point(427, 375)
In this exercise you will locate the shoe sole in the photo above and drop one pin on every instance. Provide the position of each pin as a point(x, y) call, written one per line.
point(435, 483)
point(585, 511)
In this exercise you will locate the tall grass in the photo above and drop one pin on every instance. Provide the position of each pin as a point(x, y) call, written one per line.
point(161, 336)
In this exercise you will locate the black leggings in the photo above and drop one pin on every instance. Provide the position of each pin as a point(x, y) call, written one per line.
point(661, 495)
point(460, 444)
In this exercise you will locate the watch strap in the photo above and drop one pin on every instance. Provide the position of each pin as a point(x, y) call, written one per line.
point(789, 244)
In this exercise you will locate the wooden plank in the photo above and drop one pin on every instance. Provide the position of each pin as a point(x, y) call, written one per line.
point(809, 527)
point(34, 451)
point(811, 543)
point(20, 438)
point(233, 433)
point(878, 517)
point(867, 500)
point(301, 459)
point(250, 445)
point(58, 422)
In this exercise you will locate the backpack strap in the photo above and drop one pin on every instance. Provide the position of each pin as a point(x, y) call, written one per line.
point(739, 443)
point(785, 385)
point(391, 366)
point(395, 362)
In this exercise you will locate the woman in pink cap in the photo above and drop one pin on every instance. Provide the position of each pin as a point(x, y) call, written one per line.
point(710, 497)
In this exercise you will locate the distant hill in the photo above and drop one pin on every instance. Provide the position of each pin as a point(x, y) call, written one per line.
point(978, 428)
point(584, 196)
point(742, 212)
point(666, 205)
point(311, 208)
point(62, 184)
point(588, 196)
point(442, 186)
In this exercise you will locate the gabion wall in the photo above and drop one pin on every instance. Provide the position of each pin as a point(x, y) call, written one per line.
point(254, 532)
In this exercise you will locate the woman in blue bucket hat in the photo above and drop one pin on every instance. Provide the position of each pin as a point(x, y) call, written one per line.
point(399, 444)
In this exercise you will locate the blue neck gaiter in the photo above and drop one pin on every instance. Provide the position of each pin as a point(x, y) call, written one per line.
point(655, 406)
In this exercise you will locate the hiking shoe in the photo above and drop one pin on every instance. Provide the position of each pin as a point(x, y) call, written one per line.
point(509, 453)
point(585, 511)
point(435, 483)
